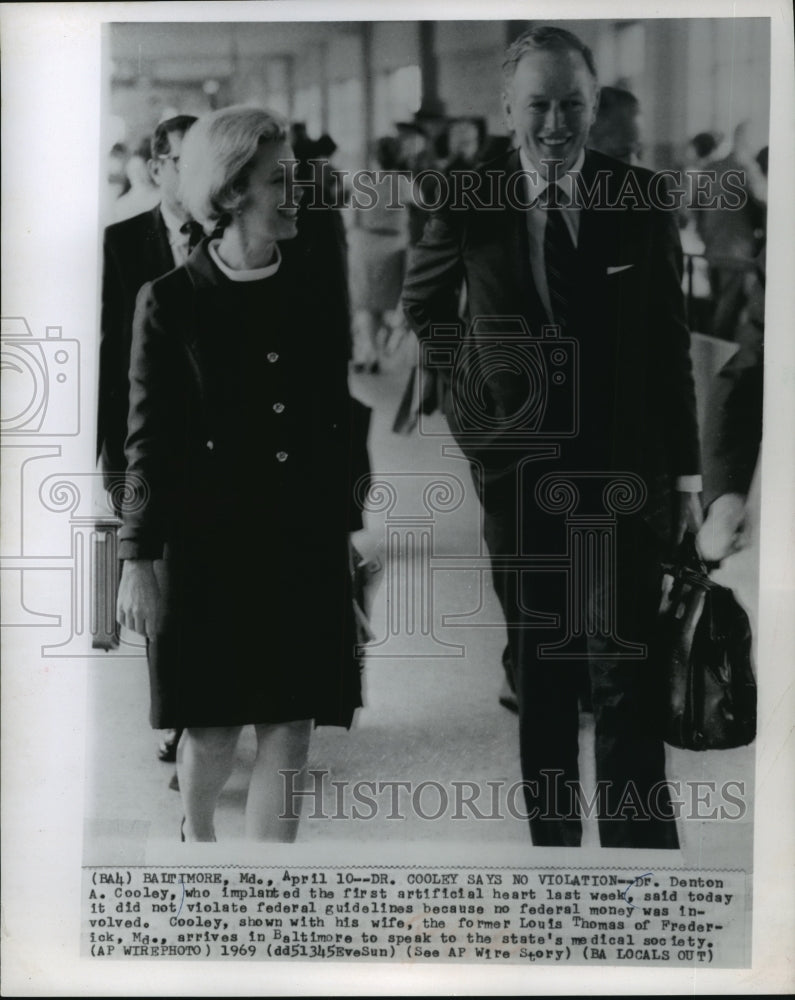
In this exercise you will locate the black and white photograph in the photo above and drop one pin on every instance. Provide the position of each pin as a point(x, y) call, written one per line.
point(397, 510)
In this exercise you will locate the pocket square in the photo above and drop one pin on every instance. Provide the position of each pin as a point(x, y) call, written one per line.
point(619, 267)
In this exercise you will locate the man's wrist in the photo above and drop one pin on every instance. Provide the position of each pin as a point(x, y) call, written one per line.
point(139, 564)
point(689, 484)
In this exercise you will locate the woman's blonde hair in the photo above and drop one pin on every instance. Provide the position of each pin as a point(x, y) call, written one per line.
point(215, 157)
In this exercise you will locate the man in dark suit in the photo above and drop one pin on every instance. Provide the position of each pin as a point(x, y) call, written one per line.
point(135, 251)
point(572, 398)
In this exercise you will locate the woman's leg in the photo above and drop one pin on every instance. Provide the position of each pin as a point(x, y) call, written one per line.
point(280, 747)
point(204, 763)
point(363, 352)
point(378, 334)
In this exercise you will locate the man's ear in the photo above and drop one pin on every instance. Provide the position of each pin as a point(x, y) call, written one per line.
point(153, 166)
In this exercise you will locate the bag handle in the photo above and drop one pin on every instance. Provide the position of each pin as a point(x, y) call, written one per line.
point(687, 557)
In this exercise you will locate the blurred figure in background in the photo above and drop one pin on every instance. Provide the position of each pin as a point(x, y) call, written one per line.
point(697, 154)
point(118, 182)
point(142, 193)
point(416, 155)
point(377, 245)
point(733, 236)
point(299, 140)
point(616, 131)
point(321, 226)
point(314, 164)
point(465, 139)
point(701, 148)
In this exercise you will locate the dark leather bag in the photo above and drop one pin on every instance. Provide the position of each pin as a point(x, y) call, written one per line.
point(705, 647)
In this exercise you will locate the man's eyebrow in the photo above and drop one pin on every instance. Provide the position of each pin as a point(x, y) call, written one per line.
point(546, 97)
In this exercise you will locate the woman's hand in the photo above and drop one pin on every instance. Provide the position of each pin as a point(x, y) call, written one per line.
point(138, 604)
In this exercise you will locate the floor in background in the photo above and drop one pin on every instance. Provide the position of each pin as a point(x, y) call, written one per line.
point(426, 717)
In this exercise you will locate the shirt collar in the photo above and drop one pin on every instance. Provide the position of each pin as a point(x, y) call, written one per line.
point(257, 274)
point(536, 184)
point(173, 224)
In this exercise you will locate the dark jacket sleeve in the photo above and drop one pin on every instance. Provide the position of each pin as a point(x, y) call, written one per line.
point(112, 392)
point(353, 416)
point(434, 275)
point(671, 344)
point(152, 464)
point(323, 252)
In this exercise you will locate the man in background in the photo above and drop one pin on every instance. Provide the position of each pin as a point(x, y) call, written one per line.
point(616, 131)
point(136, 251)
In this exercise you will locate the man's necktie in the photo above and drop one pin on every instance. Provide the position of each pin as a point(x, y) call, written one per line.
point(194, 233)
point(560, 256)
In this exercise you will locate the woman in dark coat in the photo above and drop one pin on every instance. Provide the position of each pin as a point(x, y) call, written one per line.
point(241, 464)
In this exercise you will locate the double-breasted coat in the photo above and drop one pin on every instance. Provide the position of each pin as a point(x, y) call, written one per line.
point(242, 458)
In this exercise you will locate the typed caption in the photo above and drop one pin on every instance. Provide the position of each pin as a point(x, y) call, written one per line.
point(546, 916)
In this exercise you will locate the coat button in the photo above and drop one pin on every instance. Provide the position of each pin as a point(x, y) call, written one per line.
point(210, 445)
point(273, 357)
point(281, 456)
point(278, 407)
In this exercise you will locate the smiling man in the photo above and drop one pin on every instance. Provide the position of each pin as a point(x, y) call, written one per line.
point(572, 396)
point(550, 99)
